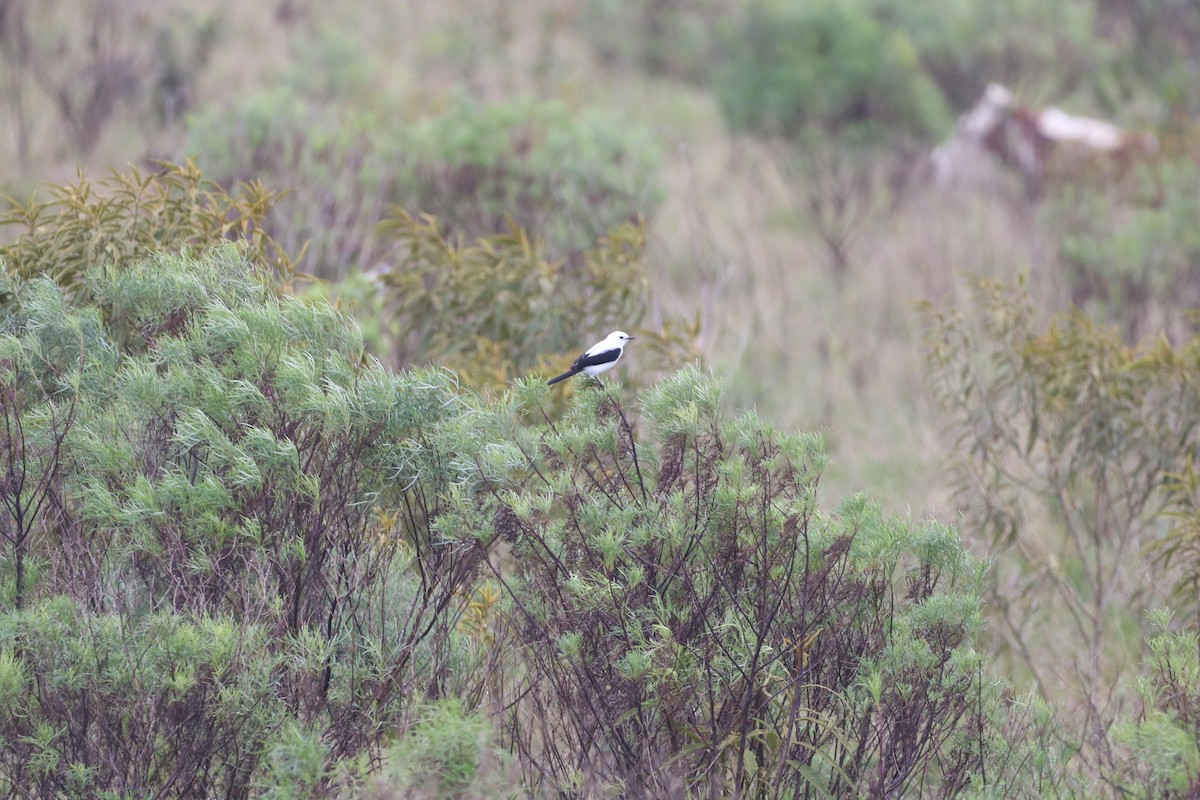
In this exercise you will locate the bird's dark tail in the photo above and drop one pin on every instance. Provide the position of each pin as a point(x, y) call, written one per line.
point(562, 377)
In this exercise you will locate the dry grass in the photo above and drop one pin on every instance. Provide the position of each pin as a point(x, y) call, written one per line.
point(809, 349)
point(252, 45)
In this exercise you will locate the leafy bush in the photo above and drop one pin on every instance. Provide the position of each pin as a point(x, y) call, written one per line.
point(688, 621)
point(567, 176)
point(240, 558)
point(497, 309)
point(1064, 438)
point(964, 45)
point(1130, 256)
point(238, 481)
point(1159, 747)
point(125, 217)
point(826, 68)
point(172, 702)
point(570, 175)
point(1032, 752)
point(446, 753)
point(333, 162)
point(256, 567)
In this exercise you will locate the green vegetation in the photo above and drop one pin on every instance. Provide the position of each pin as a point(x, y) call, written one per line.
point(690, 614)
point(203, 479)
point(826, 68)
point(568, 174)
point(497, 309)
point(125, 217)
point(287, 509)
point(963, 45)
point(1128, 253)
point(1065, 440)
point(293, 540)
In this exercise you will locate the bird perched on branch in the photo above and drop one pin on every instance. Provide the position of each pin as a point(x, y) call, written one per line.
point(600, 357)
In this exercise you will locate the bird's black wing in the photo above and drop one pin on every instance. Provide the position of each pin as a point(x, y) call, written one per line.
point(596, 359)
point(585, 360)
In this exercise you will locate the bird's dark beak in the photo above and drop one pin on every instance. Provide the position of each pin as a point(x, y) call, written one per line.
point(631, 338)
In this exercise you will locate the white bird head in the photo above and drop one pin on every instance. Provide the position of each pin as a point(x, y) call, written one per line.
point(620, 337)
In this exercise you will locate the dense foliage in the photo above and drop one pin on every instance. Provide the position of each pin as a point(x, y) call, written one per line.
point(128, 215)
point(211, 478)
point(299, 544)
point(568, 174)
point(828, 67)
point(963, 45)
point(497, 309)
point(694, 623)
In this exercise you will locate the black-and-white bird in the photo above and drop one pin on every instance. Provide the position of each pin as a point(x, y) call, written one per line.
point(600, 357)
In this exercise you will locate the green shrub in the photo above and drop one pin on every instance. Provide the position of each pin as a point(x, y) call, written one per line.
point(254, 557)
point(497, 309)
point(163, 701)
point(211, 458)
point(1064, 440)
point(826, 68)
point(964, 45)
point(1032, 751)
point(1130, 257)
point(568, 175)
point(332, 161)
point(296, 764)
point(1159, 749)
point(446, 753)
point(121, 219)
point(689, 620)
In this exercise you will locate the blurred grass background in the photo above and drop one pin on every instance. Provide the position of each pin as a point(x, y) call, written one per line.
point(341, 106)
